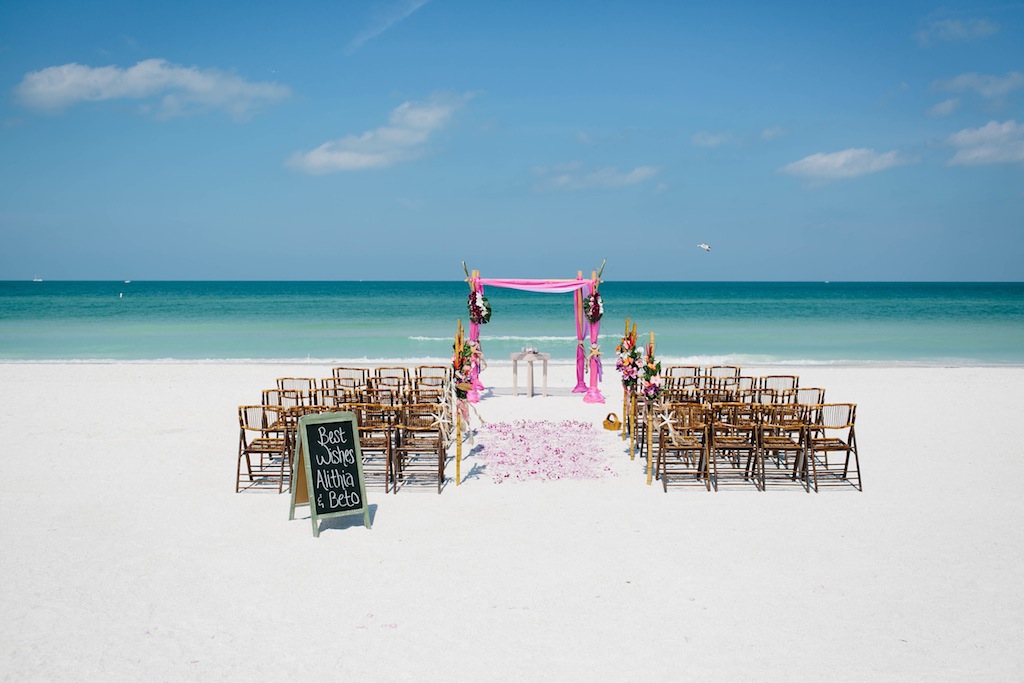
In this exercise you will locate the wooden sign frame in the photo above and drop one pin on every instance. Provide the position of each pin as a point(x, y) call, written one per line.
point(303, 489)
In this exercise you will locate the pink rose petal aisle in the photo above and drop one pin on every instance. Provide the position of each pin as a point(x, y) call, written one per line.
point(526, 450)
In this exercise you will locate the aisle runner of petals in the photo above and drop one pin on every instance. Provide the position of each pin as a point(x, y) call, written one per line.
point(541, 450)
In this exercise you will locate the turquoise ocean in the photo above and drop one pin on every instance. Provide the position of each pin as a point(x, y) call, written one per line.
point(752, 323)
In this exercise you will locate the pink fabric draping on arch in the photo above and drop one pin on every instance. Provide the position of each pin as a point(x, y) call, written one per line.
point(552, 286)
point(473, 395)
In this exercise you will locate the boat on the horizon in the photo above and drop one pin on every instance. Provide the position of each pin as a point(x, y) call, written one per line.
point(37, 279)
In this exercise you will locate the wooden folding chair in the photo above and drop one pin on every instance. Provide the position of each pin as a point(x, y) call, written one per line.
point(781, 432)
point(306, 386)
point(745, 382)
point(375, 423)
point(262, 448)
point(832, 431)
point(419, 445)
point(778, 382)
point(722, 371)
point(732, 446)
point(683, 446)
point(681, 371)
point(442, 371)
point(399, 372)
point(808, 396)
point(286, 398)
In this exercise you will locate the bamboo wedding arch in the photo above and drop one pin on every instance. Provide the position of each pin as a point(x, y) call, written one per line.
point(588, 361)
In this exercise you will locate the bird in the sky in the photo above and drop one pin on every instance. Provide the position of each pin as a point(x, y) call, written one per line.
point(704, 246)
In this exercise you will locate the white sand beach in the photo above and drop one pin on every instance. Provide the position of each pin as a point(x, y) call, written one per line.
point(125, 553)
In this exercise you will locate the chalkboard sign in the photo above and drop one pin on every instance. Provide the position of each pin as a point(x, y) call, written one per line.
point(327, 473)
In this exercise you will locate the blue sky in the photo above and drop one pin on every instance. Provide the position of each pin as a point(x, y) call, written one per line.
point(394, 139)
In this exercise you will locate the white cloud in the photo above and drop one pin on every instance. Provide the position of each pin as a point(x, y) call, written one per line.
point(706, 139)
point(993, 143)
point(848, 163)
point(955, 30)
point(385, 18)
point(989, 87)
point(574, 176)
point(945, 108)
point(773, 133)
point(409, 128)
point(178, 90)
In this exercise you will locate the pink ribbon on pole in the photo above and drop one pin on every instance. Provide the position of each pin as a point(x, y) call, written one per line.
point(473, 395)
point(581, 333)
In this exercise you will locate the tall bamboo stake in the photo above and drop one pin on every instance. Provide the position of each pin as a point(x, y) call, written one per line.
point(632, 426)
point(458, 445)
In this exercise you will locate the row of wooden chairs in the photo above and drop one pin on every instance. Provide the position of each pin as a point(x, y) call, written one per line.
point(336, 396)
point(351, 383)
point(397, 377)
point(384, 399)
point(733, 442)
point(805, 395)
point(731, 382)
point(401, 443)
point(702, 371)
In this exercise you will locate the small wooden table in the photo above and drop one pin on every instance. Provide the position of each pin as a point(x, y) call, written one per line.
point(529, 358)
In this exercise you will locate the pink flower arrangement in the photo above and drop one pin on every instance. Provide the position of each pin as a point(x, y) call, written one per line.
point(650, 385)
point(651, 388)
point(628, 361)
point(541, 450)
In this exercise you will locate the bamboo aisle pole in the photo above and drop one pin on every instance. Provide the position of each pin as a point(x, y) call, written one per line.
point(632, 426)
point(650, 422)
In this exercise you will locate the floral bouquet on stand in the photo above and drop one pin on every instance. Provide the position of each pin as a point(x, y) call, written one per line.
point(628, 361)
point(479, 308)
point(650, 389)
point(650, 384)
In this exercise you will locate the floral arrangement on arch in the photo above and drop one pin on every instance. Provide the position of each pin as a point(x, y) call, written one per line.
point(593, 307)
point(462, 364)
point(628, 361)
point(650, 385)
point(479, 308)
